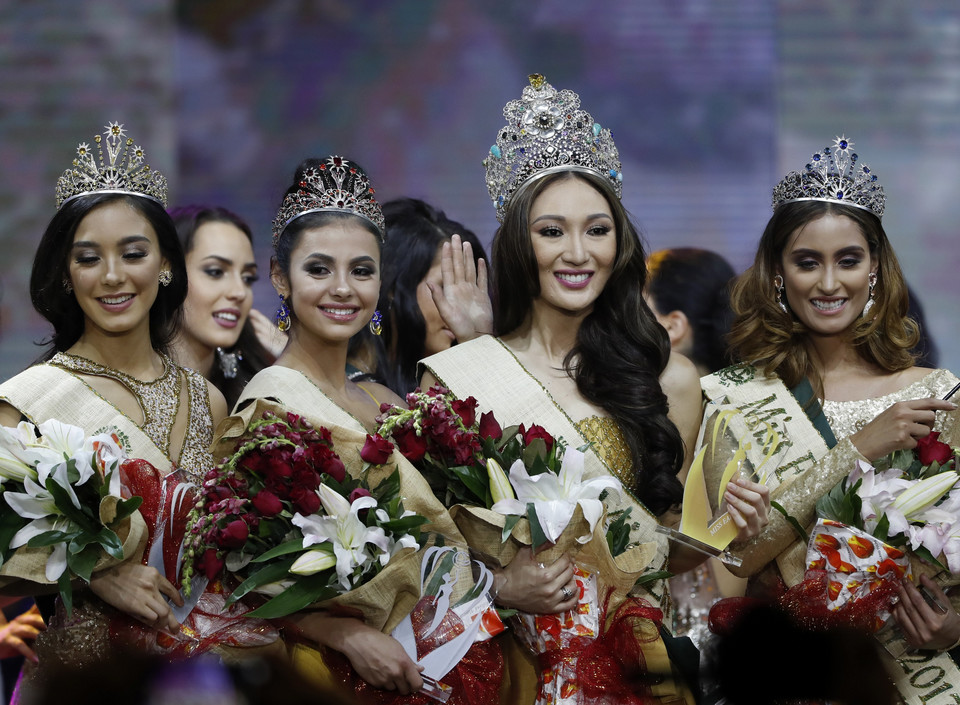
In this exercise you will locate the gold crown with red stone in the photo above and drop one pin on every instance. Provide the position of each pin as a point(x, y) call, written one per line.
point(123, 170)
point(547, 132)
point(336, 184)
point(833, 174)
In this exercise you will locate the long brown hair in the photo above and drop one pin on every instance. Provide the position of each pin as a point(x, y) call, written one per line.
point(762, 334)
point(620, 351)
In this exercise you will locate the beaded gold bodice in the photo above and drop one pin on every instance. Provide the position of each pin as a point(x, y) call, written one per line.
point(609, 443)
point(159, 401)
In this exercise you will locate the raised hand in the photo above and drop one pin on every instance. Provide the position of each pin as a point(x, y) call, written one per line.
point(463, 300)
point(899, 427)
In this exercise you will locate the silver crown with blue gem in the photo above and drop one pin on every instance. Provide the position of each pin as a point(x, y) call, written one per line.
point(546, 132)
point(834, 175)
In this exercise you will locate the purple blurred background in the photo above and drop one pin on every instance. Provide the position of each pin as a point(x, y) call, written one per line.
point(710, 104)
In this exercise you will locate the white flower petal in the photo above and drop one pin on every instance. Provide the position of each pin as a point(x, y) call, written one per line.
point(57, 562)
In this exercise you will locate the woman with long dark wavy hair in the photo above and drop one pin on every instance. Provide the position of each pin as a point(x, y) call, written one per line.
point(218, 338)
point(579, 352)
point(822, 329)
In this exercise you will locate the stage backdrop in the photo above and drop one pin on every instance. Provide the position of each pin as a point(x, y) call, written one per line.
point(709, 103)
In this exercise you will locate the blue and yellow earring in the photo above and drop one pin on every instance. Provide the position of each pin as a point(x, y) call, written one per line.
point(283, 316)
point(375, 323)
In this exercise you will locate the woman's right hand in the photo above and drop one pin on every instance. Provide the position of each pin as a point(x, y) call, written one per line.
point(138, 590)
point(533, 587)
point(899, 427)
point(376, 657)
point(266, 331)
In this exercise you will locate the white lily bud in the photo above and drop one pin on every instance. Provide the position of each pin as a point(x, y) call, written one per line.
point(925, 493)
point(313, 562)
point(500, 487)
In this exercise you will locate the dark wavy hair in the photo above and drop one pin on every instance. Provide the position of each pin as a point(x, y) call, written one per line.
point(287, 242)
point(51, 269)
point(415, 232)
point(253, 355)
point(777, 342)
point(620, 351)
point(696, 282)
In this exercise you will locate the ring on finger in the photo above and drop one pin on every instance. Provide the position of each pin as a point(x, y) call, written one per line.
point(566, 592)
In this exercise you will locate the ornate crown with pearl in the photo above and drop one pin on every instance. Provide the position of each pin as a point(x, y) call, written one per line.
point(123, 171)
point(833, 175)
point(546, 132)
point(336, 184)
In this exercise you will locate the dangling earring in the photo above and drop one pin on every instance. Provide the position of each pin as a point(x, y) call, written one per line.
point(67, 286)
point(869, 305)
point(778, 285)
point(283, 316)
point(375, 323)
point(166, 276)
point(229, 362)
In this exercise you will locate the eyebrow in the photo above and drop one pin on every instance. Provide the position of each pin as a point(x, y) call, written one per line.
point(595, 216)
point(327, 259)
point(806, 252)
point(125, 241)
point(228, 262)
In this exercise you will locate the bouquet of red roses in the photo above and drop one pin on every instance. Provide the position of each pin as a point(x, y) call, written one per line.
point(282, 514)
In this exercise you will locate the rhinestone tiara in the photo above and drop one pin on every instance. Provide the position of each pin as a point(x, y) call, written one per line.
point(124, 170)
point(336, 184)
point(546, 132)
point(833, 175)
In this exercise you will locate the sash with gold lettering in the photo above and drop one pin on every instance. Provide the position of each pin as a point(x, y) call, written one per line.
point(807, 470)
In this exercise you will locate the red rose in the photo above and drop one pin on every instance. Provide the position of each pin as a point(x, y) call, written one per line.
point(305, 501)
point(929, 449)
point(490, 427)
point(267, 503)
point(334, 468)
point(466, 410)
point(211, 564)
point(536, 432)
point(357, 494)
point(412, 446)
point(376, 450)
point(234, 534)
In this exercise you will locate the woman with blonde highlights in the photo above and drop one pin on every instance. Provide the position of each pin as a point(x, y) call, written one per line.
point(821, 327)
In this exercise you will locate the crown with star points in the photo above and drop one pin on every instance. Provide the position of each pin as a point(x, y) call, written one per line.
point(118, 167)
point(336, 184)
point(833, 174)
point(547, 132)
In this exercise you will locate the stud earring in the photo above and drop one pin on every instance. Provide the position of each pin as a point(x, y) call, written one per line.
point(67, 286)
point(778, 285)
point(229, 362)
point(166, 276)
point(869, 305)
point(375, 324)
point(283, 316)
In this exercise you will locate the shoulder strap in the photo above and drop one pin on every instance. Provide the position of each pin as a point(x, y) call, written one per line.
point(294, 390)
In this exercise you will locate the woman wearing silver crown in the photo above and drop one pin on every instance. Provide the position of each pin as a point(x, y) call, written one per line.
point(821, 316)
point(579, 352)
point(109, 275)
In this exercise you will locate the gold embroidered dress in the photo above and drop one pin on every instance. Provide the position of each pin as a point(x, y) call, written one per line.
point(486, 369)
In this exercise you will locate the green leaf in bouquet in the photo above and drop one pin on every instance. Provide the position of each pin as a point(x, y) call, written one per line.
point(268, 574)
point(388, 489)
point(66, 507)
point(792, 521)
point(10, 524)
point(126, 507)
point(291, 546)
point(537, 535)
point(303, 593)
point(509, 522)
point(505, 614)
point(618, 533)
point(923, 553)
point(110, 542)
point(653, 577)
point(49, 538)
point(882, 531)
point(535, 450)
point(474, 477)
point(931, 470)
point(82, 562)
point(66, 592)
point(404, 525)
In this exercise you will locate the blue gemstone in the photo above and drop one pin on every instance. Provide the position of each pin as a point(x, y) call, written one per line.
point(495, 151)
point(613, 173)
point(839, 194)
point(873, 178)
point(843, 144)
point(816, 157)
point(523, 150)
point(866, 170)
point(596, 129)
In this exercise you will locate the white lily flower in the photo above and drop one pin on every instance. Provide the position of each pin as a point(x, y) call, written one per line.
point(108, 455)
point(61, 443)
point(555, 497)
point(343, 528)
point(17, 459)
point(38, 505)
point(877, 490)
point(500, 487)
point(275, 588)
point(313, 562)
point(924, 494)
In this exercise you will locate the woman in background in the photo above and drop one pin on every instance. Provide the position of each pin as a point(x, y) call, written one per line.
point(217, 338)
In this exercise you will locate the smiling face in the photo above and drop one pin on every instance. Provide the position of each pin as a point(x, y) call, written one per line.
point(334, 280)
point(114, 266)
point(221, 271)
point(826, 267)
point(575, 245)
